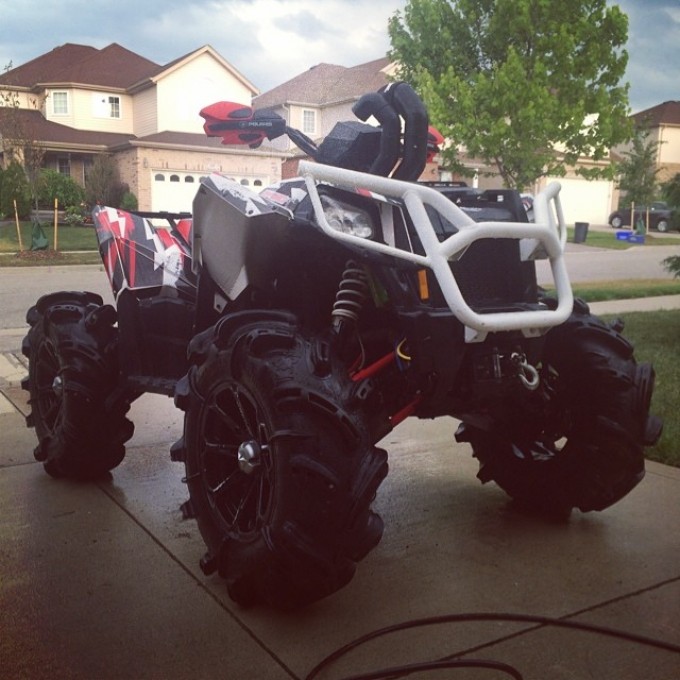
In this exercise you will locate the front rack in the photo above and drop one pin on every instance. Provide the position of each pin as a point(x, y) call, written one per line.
point(544, 238)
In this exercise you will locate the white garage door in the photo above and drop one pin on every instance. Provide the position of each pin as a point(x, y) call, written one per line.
point(584, 201)
point(175, 191)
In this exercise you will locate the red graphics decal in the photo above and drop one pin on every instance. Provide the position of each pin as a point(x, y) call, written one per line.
point(137, 254)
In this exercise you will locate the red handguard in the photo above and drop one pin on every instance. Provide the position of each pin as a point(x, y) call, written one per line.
point(239, 124)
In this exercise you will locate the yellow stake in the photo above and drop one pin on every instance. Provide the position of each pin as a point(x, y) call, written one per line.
point(16, 217)
point(56, 205)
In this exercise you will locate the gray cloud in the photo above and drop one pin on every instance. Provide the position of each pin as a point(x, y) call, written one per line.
point(271, 41)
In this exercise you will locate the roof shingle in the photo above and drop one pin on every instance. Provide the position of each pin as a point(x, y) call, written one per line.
point(113, 66)
point(34, 126)
point(667, 113)
point(326, 84)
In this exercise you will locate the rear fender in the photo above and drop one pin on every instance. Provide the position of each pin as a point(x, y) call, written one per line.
point(138, 255)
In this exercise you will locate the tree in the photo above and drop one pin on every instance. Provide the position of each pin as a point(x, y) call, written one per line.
point(671, 193)
point(638, 170)
point(103, 183)
point(19, 139)
point(527, 86)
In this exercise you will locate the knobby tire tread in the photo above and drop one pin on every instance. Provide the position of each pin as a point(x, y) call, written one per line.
point(72, 342)
point(324, 472)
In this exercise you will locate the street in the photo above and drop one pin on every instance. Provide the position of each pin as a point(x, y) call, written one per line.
point(599, 264)
point(22, 286)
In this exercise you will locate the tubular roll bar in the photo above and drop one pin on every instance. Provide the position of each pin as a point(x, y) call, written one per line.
point(544, 238)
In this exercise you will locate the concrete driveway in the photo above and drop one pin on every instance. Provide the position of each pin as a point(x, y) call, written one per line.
point(102, 580)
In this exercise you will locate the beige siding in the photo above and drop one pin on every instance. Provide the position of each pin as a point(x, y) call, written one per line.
point(25, 100)
point(145, 113)
point(86, 111)
point(182, 93)
point(335, 114)
point(669, 147)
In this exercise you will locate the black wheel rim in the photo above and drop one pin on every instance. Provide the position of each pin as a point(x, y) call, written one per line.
point(50, 387)
point(236, 460)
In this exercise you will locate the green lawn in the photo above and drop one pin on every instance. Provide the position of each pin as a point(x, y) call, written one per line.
point(68, 238)
point(598, 291)
point(655, 336)
point(607, 239)
point(83, 238)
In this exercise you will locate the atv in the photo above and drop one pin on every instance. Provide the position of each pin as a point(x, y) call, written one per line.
point(296, 327)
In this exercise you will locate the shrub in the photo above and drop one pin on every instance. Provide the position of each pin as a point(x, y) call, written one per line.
point(128, 201)
point(672, 265)
point(74, 215)
point(65, 189)
point(15, 188)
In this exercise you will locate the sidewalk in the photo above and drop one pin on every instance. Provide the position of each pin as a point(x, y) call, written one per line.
point(636, 305)
point(101, 581)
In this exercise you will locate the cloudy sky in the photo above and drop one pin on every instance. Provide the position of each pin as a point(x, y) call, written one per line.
point(271, 41)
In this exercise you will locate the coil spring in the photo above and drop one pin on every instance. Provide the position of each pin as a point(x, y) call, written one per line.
point(352, 293)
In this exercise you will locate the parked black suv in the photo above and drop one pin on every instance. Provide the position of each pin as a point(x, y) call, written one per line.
point(659, 216)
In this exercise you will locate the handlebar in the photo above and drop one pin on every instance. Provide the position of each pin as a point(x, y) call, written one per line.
point(397, 102)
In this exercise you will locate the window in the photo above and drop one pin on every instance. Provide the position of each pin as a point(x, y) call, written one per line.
point(114, 107)
point(189, 179)
point(60, 103)
point(106, 105)
point(174, 178)
point(308, 121)
point(64, 166)
point(159, 177)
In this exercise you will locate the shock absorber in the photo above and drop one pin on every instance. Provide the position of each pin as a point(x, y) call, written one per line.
point(352, 293)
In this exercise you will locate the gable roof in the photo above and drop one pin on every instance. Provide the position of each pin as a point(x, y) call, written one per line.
point(179, 62)
point(667, 113)
point(326, 84)
point(113, 66)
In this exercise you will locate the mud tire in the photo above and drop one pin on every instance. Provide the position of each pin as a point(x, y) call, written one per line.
point(599, 405)
point(72, 375)
point(291, 529)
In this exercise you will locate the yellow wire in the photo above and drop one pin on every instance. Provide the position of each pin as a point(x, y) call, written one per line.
point(400, 353)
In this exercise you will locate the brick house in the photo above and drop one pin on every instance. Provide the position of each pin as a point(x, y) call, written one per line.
point(77, 101)
point(112, 100)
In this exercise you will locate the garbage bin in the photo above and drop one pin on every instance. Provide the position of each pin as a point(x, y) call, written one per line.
point(580, 232)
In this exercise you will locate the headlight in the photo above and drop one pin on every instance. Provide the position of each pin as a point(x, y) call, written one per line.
point(347, 218)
